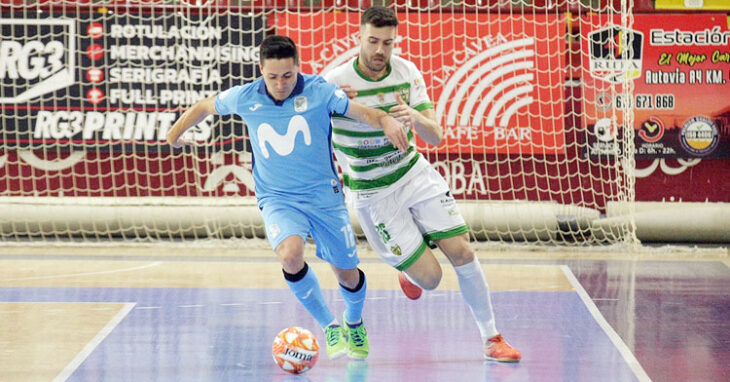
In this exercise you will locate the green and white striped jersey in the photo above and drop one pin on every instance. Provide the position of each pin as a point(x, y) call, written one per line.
point(371, 164)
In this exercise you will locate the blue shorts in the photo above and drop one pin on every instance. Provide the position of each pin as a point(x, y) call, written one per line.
point(329, 227)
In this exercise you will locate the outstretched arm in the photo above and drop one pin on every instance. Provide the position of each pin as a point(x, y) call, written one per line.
point(190, 118)
point(393, 129)
point(424, 121)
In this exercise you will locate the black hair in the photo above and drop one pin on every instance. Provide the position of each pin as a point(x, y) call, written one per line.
point(378, 16)
point(278, 47)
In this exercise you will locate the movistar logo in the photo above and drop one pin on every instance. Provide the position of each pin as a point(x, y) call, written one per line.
point(283, 144)
point(491, 85)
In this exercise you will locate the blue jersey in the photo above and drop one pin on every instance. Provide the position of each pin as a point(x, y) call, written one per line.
point(290, 139)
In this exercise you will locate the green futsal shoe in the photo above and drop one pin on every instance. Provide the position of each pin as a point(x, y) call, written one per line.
point(359, 346)
point(336, 341)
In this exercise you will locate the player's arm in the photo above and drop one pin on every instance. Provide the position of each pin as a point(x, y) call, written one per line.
point(424, 122)
point(349, 90)
point(393, 129)
point(191, 117)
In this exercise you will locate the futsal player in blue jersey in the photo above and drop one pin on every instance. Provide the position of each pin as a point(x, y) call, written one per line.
point(287, 115)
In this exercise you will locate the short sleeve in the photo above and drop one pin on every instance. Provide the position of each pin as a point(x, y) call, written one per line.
point(337, 101)
point(226, 102)
point(419, 95)
point(329, 77)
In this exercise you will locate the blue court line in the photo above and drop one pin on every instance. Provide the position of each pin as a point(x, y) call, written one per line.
point(192, 334)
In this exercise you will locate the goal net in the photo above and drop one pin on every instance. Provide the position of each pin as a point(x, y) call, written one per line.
point(527, 92)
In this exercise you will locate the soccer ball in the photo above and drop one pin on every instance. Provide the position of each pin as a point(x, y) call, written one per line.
point(295, 350)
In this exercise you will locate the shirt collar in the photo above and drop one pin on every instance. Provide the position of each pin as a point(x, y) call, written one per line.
point(366, 78)
point(298, 89)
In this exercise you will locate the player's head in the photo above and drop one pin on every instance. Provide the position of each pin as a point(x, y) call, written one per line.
point(279, 64)
point(378, 28)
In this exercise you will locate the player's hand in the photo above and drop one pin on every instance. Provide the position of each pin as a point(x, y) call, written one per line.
point(180, 142)
point(183, 142)
point(396, 132)
point(349, 90)
point(402, 112)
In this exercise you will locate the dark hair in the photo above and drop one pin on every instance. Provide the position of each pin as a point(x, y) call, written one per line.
point(378, 16)
point(278, 47)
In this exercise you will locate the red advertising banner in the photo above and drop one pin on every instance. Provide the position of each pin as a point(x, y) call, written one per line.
point(496, 82)
point(680, 68)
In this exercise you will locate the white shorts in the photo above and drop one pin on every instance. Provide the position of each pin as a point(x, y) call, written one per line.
point(420, 212)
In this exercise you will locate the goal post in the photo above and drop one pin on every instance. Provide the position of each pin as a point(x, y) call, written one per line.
point(90, 88)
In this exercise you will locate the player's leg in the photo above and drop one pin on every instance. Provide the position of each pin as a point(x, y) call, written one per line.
point(353, 288)
point(474, 288)
point(424, 273)
point(286, 229)
point(444, 226)
point(472, 282)
point(302, 280)
point(335, 239)
point(395, 237)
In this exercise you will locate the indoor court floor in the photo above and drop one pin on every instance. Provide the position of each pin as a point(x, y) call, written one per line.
point(181, 314)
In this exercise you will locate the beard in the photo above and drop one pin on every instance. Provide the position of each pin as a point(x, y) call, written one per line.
point(376, 66)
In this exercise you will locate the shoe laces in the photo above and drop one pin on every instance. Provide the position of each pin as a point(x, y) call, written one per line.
point(332, 335)
point(495, 340)
point(357, 335)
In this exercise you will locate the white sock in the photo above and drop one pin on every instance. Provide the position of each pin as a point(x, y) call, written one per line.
point(475, 290)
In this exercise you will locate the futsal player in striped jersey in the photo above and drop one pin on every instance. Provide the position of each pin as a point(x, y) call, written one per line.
point(403, 204)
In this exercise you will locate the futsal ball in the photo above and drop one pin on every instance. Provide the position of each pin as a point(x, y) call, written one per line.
point(295, 350)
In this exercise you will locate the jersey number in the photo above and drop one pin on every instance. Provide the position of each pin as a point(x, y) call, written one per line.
point(349, 236)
